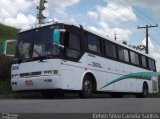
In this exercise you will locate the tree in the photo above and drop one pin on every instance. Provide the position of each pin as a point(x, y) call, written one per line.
point(139, 47)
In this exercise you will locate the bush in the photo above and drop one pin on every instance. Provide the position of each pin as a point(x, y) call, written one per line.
point(5, 87)
point(5, 73)
point(5, 64)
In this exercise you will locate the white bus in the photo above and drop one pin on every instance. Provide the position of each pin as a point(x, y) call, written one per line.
point(61, 57)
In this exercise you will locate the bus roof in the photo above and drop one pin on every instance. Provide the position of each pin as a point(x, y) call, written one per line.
point(91, 31)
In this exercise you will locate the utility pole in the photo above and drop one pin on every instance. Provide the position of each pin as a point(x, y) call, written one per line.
point(115, 36)
point(147, 28)
point(41, 8)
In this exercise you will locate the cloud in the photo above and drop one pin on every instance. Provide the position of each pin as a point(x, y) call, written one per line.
point(105, 30)
point(150, 44)
point(61, 5)
point(92, 14)
point(12, 7)
point(114, 13)
point(21, 21)
point(153, 4)
point(14, 13)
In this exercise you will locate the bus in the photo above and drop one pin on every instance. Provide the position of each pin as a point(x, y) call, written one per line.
point(61, 57)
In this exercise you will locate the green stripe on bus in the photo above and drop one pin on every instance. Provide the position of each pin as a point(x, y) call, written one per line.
point(139, 75)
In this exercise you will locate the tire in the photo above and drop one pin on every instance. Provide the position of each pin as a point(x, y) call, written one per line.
point(87, 87)
point(144, 92)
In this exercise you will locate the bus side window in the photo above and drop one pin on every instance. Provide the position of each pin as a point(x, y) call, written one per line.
point(114, 51)
point(126, 55)
point(94, 44)
point(123, 54)
point(151, 64)
point(110, 49)
point(134, 58)
point(144, 61)
point(73, 45)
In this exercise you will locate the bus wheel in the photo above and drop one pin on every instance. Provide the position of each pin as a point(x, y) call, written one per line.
point(144, 92)
point(47, 94)
point(88, 87)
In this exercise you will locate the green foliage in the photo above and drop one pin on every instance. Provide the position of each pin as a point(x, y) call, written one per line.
point(5, 87)
point(6, 32)
point(5, 64)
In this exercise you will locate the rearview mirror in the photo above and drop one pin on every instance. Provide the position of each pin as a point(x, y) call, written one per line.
point(8, 47)
point(56, 37)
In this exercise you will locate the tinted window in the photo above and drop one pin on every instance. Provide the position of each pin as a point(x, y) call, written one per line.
point(126, 55)
point(151, 64)
point(72, 53)
point(134, 58)
point(121, 53)
point(144, 61)
point(114, 51)
point(74, 41)
point(110, 49)
point(94, 44)
point(73, 45)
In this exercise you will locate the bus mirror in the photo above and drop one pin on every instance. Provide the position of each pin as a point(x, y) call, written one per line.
point(56, 37)
point(8, 47)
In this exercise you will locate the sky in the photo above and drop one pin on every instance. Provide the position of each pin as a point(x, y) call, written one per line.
point(105, 17)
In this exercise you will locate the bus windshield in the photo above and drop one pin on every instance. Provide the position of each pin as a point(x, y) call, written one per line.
point(36, 43)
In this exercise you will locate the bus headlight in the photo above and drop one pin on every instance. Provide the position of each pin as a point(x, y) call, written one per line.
point(15, 76)
point(55, 71)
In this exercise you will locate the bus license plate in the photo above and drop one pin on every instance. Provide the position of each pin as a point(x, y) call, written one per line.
point(29, 82)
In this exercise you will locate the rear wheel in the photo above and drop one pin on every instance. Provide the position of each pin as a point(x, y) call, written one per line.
point(87, 88)
point(144, 92)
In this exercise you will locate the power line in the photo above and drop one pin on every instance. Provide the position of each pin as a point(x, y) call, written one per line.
point(141, 12)
point(140, 16)
point(121, 14)
point(136, 14)
point(146, 16)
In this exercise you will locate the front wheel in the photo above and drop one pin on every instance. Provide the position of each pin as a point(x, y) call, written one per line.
point(87, 88)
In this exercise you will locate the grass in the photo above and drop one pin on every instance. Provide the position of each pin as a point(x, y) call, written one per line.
point(154, 95)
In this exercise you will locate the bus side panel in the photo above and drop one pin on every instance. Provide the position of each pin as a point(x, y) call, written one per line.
point(71, 75)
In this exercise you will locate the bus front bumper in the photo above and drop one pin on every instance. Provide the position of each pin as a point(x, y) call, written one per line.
point(36, 83)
